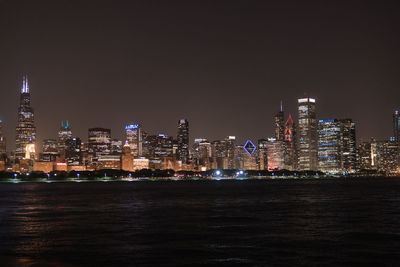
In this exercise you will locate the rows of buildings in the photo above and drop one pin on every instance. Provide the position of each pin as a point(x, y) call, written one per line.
point(327, 145)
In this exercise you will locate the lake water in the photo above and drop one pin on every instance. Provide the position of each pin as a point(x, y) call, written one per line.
point(334, 222)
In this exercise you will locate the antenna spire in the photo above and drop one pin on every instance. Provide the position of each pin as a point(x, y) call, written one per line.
point(281, 106)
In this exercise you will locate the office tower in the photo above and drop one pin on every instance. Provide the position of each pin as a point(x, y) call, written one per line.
point(64, 134)
point(183, 141)
point(202, 152)
point(73, 151)
point(279, 125)
point(289, 145)
point(329, 145)
point(3, 149)
point(133, 133)
point(49, 150)
point(348, 145)
point(275, 154)
point(116, 147)
point(307, 135)
point(164, 146)
point(396, 126)
point(230, 151)
point(387, 156)
point(365, 156)
point(25, 140)
point(99, 142)
point(262, 153)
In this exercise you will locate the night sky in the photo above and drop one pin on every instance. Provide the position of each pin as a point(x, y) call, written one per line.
point(223, 65)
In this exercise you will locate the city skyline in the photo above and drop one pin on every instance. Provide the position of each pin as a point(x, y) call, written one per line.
point(107, 65)
point(277, 122)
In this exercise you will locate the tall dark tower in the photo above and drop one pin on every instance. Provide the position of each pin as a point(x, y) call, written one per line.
point(25, 130)
point(2, 141)
point(396, 126)
point(183, 141)
point(279, 125)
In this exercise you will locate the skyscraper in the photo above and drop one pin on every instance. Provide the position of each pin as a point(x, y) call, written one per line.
point(25, 130)
point(2, 141)
point(50, 150)
point(308, 138)
point(183, 141)
point(279, 125)
point(396, 126)
point(348, 145)
point(289, 145)
point(329, 146)
point(73, 152)
point(133, 133)
point(99, 142)
point(64, 134)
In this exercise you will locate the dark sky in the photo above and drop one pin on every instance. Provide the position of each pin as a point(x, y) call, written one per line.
point(223, 65)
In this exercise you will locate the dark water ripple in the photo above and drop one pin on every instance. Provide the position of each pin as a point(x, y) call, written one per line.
point(352, 222)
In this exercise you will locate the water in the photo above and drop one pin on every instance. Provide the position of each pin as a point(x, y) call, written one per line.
point(252, 222)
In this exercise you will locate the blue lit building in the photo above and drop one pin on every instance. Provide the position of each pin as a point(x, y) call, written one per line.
point(329, 153)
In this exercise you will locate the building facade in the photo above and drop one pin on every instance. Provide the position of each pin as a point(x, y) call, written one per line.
point(183, 141)
point(25, 130)
point(307, 135)
point(133, 134)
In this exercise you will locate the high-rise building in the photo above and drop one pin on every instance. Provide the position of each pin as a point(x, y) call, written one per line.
point(262, 150)
point(133, 133)
point(275, 154)
point(202, 152)
point(289, 145)
point(116, 147)
point(183, 141)
point(127, 158)
point(49, 150)
point(279, 125)
point(365, 156)
point(396, 125)
point(64, 134)
point(307, 135)
point(348, 145)
point(99, 142)
point(3, 149)
point(25, 130)
point(73, 151)
point(329, 146)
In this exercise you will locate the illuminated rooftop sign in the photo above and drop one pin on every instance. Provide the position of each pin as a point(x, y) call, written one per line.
point(249, 147)
point(305, 100)
point(132, 126)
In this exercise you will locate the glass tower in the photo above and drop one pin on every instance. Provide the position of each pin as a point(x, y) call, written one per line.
point(396, 126)
point(25, 130)
point(307, 135)
point(183, 141)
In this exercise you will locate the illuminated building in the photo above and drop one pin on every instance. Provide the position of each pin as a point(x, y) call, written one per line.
point(348, 145)
point(140, 163)
point(99, 142)
point(275, 154)
point(396, 125)
point(109, 162)
point(133, 134)
point(365, 156)
point(49, 150)
point(248, 158)
point(329, 147)
point(43, 166)
point(73, 153)
point(202, 152)
point(164, 146)
point(116, 147)
point(30, 151)
point(279, 125)
point(64, 134)
point(307, 135)
point(3, 149)
point(183, 141)
point(289, 145)
point(387, 156)
point(223, 153)
point(25, 130)
point(262, 154)
point(127, 158)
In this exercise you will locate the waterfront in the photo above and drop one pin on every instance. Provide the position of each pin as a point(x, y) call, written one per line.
point(291, 222)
